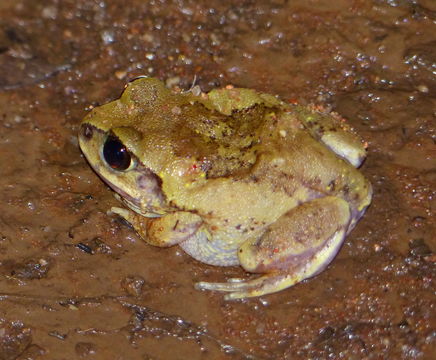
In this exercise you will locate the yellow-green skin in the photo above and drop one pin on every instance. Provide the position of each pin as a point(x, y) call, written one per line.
point(233, 177)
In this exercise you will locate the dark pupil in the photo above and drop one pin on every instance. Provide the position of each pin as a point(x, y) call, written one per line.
point(116, 154)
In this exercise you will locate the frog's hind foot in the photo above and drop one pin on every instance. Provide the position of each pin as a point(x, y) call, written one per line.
point(241, 288)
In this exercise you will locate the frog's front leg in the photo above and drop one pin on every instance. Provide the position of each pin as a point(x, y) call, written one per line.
point(297, 246)
point(164, 231)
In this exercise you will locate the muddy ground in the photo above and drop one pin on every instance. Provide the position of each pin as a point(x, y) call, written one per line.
point(77, 283)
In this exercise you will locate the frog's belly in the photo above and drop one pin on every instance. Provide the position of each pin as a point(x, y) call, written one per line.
point(213, 252)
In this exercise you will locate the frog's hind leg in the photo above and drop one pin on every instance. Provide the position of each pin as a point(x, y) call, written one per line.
point(297, 246)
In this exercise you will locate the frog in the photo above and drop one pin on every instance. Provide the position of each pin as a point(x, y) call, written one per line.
point(234, 177)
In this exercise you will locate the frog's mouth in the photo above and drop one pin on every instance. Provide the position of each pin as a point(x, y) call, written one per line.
point(131, 202)
point(138, 205)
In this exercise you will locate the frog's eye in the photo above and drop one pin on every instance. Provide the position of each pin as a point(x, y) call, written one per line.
point(116, 154)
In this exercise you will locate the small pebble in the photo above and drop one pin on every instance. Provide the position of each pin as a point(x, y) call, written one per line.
point(133, 284)
point(172, 81)
point(423, 88)
point(84, 349)
point(120, 74)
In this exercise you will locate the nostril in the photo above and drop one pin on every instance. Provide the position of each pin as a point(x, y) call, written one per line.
point(86, 131)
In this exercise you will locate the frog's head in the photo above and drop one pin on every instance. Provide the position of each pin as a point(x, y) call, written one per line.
point(153, 146)
point(112, 139)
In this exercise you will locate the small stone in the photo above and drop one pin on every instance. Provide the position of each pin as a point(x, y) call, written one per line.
point(32, 352)
point(377, 248)
point(423, 88)
point(49, 12)
point(94, 246)
point(325, 334)
point(28, 269)
point(58, 335)
point(133, 284)
point(120, 74)
point(84, 349)
point(148, 37)
point(108, 36)
point(260, 329)
point(418, 248)
point(172, 81)
point(14, 339)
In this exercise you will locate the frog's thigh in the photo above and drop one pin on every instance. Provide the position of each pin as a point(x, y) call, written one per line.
point(298, 245)
point(164, 231)
point(298, 238)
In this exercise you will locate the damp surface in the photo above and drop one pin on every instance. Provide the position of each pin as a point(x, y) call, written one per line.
point(76, 283)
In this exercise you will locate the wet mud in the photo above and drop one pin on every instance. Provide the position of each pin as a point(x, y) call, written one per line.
point(76, 283)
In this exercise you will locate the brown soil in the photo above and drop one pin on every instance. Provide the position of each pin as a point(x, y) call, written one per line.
point(76, 283)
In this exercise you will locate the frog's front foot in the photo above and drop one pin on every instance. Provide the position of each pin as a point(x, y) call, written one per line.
point(164, 231)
